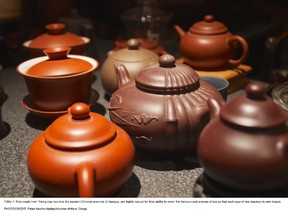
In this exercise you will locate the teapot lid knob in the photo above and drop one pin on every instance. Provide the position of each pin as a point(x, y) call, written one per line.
point(55, 28)
point(80, 111)
point(133, 44)
point(167, 60)
point(56, 53)
point(209, 18)
point(256, 91)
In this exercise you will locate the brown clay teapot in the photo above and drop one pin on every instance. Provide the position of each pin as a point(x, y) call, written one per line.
point(81, 154)
point(56, 36)
point(164, 108)
point(208, 45)
point(134, 58)
point(244, 147)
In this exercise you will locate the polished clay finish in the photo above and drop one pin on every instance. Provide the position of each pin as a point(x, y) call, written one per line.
point(58, 80)
point(164, 108)
point(244, 146)
point(134, 58)
point(208, 45)
point(56, 36)
point(81, 154)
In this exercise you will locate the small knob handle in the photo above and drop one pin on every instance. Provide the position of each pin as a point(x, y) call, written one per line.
point(209, 18)
point(55, 28)
point(256, 91)
point(133, 44)
point(167, 60)
point(57, 52)
point(80, 111)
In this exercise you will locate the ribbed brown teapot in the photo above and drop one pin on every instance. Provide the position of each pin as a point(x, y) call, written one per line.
point(208, 45)
point(244, 147)
point(164, 108)
point(81, 154)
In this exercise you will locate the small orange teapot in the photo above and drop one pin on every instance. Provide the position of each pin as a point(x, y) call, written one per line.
point(81, 154)
point(208, 45)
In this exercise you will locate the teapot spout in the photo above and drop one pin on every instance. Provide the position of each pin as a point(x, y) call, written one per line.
point(179, 30)
point(214, 107)
point(122, 75)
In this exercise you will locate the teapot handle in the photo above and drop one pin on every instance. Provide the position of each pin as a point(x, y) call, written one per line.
point(245, 48)
point(85, 178)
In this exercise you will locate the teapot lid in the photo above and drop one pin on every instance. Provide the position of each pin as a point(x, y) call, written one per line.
point(255, 109)
point(59, 64)
point(208, 26)
point(167, 77)
point(133, 53)
point(56, 36)
point(80, 129)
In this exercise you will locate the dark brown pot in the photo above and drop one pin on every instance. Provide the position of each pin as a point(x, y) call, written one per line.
point(245, 145)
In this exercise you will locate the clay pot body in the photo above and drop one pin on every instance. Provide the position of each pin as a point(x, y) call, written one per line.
point(134, 58)
point(164, 108)
point(244, 146)
point(56, 36)
point(208, 45)
point(81, 154)
point(56, 82)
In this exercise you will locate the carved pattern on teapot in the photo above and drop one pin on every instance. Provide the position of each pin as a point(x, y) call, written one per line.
point(143, 118)
point(144, 139)
point(121, 117)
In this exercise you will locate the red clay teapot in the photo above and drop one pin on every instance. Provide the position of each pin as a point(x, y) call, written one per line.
point(164, 108)
point(244, 147)
point(208, 45)
point(81, 154)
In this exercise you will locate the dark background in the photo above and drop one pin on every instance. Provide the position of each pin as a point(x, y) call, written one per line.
point(255, 20)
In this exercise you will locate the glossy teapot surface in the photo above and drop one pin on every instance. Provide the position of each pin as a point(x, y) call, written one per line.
point(244, 146)
point(81, 154)
point(164, 109)
point(208, 45)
